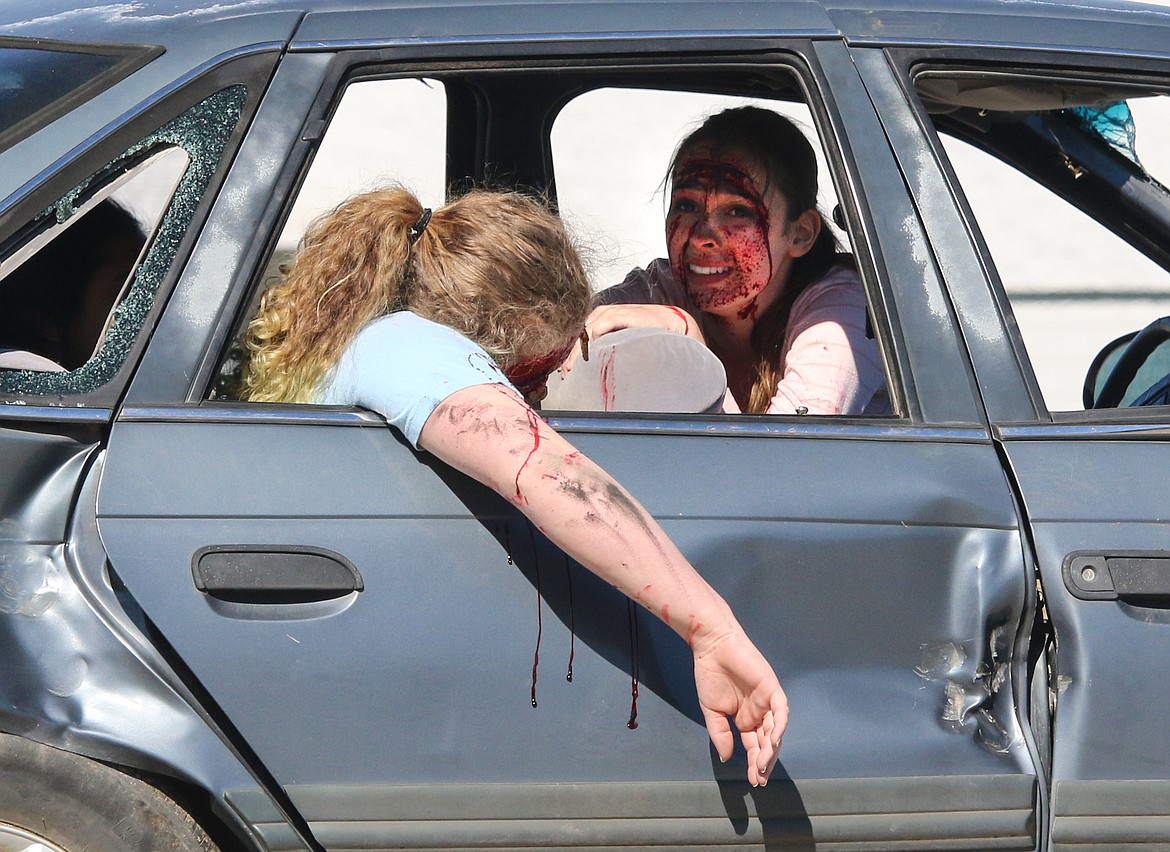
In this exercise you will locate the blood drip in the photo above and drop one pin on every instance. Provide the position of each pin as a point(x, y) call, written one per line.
point(632, 611)
point(572, 621)
point(539, 616)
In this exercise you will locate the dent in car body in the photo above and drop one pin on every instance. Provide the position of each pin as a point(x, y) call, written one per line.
point(77, 672)
point(972, 670)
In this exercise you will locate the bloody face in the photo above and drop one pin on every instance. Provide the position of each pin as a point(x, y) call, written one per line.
point(528, 375)
point(724, 232)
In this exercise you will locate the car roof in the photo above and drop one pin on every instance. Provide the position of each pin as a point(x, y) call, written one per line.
point(1123, 25)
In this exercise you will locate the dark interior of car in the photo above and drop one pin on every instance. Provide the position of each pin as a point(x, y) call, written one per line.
point(498, 122)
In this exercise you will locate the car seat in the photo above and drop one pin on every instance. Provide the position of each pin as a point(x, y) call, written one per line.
point(641, 370)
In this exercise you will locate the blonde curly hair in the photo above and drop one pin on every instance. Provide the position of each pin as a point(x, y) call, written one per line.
point(498, 267)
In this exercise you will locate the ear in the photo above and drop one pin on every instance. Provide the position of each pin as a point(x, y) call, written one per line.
point(804, 230)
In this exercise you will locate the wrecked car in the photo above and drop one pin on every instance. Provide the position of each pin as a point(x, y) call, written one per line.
point(278, 627)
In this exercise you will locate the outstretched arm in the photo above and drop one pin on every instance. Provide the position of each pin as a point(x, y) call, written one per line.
point(489, 433)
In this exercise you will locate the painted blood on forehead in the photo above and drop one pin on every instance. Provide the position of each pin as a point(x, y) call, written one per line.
point(719, 174)
point(712, 176)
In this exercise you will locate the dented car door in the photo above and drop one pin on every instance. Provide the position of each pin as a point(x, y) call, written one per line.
point(414, 666)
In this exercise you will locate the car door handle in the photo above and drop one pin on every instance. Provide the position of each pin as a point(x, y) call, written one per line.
point(273, 574)
point(1138, 576)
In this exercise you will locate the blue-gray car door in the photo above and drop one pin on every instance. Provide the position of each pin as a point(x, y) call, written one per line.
point(393, 644)
point(1093, 489)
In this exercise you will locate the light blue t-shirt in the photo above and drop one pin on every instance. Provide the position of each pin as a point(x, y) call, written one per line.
point(402, 366)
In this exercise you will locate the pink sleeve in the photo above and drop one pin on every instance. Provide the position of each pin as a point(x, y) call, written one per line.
point(830, 365)
point(654, 285)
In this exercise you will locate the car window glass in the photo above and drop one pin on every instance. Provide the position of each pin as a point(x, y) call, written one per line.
point(1047, 188)
point(611, 149)
point(77, 283)
point(39, 79)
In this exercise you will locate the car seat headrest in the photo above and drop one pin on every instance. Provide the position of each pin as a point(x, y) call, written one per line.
point(641, 370)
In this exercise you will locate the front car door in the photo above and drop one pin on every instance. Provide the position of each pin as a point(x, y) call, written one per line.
point(417, 667)
point(1031, 138)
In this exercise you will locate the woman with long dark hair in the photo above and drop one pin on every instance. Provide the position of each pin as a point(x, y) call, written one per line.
point(754, 273)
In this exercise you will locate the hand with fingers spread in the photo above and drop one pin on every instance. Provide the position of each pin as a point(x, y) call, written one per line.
point(734, 680)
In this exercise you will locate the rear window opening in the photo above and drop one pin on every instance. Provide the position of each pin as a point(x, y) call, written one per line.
point(79, 280)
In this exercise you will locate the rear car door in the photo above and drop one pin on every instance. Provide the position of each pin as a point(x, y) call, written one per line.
point(99, 192)
point(1089, 477)
point(416, 667)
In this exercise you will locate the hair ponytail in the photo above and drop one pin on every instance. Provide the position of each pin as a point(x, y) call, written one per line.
point(499, 268)
point(353, 264)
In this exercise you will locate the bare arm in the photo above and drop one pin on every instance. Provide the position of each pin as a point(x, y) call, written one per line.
point(606, 318)
point(489, 433)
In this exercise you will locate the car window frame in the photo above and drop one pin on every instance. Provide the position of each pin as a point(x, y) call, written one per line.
point(794, 56)
point(908, 63)
point(249, 73)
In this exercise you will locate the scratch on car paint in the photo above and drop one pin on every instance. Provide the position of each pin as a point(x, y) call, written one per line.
point(939, 659)
point(959, 703)
point(69, 670)
point(1063, 7)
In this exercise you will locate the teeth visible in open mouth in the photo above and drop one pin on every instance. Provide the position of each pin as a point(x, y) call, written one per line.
point(709, 270)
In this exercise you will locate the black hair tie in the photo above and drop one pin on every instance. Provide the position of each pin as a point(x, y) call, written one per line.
point(417, 229)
